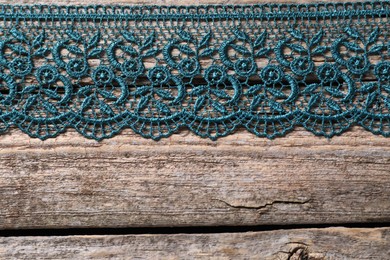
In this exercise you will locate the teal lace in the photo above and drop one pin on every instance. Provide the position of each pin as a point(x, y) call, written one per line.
point(212, 69)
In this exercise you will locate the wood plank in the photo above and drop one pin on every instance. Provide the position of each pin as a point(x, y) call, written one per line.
point(129, 181)
point(313, 244)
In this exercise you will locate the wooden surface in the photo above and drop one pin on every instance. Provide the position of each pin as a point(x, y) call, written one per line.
point(128, 181)
point(313, 244)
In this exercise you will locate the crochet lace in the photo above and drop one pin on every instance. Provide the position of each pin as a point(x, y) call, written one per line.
point(212, 69)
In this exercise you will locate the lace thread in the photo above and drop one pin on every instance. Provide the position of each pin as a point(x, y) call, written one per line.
point(209, 68)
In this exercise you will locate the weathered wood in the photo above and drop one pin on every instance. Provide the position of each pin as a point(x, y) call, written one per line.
point(313, 244)
point(128, 181)
point(184, 180)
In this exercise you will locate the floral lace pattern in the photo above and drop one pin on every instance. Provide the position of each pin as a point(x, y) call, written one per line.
point(211, 69)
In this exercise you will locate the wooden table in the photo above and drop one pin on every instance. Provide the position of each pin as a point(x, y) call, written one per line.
point(240, 197)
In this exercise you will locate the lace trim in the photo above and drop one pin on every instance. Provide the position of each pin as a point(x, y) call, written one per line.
point(212, 69)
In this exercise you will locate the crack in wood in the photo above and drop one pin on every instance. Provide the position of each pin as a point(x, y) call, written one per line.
point(298, 253)
point(266, 204)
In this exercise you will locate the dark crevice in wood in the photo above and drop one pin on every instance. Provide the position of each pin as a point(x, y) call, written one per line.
point(178, 230)
point(265, 205)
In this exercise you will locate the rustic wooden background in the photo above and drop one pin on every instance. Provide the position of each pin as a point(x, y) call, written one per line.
point(320, 185)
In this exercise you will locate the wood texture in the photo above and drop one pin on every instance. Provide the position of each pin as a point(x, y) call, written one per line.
point(128, 181)
point(313, 244)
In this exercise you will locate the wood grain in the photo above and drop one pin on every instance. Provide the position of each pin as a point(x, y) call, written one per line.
point(313, 244)
point(128, 181)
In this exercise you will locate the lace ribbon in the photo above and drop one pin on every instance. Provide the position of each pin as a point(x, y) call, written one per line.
point(211, 69)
